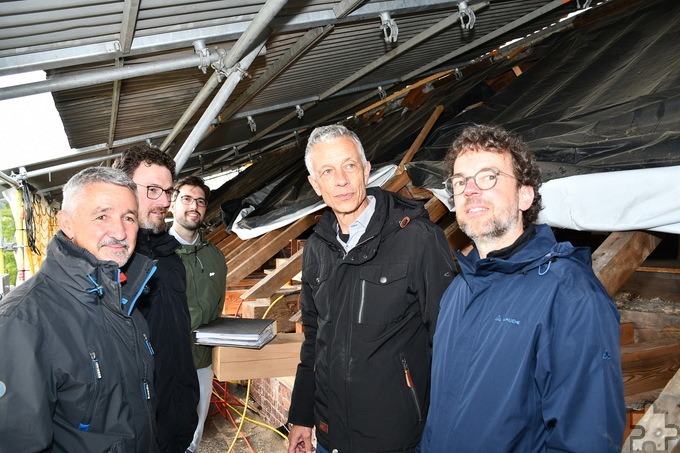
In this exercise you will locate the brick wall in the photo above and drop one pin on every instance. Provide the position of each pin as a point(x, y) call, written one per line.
point(273, 396)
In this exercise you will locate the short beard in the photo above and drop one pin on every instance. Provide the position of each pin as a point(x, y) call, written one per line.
point(492, 230)
point(155, 228)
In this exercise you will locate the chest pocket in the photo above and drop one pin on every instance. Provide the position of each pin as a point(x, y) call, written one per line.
point(383, 293)
point(317, 278)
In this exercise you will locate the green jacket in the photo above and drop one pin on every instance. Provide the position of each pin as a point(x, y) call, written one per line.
point(206, 283)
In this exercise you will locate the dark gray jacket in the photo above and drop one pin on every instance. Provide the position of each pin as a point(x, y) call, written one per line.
point(76, 372)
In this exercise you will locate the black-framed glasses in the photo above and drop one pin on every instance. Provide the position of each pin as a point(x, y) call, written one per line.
point(484, 179)
point(188, 201)
point(155, 192)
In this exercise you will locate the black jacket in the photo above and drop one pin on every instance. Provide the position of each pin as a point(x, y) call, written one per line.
point(165, 309)
point(76, 370)
point(369, 317)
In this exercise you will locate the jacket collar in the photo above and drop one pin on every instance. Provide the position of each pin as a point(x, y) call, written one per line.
point(89, 279)
point(536, 252)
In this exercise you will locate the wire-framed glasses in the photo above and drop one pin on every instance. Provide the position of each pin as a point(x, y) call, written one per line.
point(484, 179)
point(155, 192)
point(188, 200)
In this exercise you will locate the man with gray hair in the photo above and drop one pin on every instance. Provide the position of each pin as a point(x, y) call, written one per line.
point(76, 372)
point(373, 273)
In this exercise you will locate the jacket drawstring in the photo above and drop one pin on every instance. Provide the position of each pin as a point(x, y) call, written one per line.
point(99, 289)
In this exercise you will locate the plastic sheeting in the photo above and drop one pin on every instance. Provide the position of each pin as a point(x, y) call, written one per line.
point(603, 97)
point(647, 199)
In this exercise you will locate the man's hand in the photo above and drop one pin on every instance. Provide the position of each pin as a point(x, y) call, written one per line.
point(300, 439)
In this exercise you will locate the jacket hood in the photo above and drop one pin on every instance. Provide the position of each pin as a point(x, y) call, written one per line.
point(192, 249)
point(539, 253)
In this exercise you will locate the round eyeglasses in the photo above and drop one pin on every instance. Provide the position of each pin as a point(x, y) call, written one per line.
point(155, 192)
point(484, 179)
point(188, 201)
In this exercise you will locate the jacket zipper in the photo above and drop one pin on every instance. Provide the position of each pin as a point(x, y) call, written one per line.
point(411, 386)
point(92, 400)
point(360, 320)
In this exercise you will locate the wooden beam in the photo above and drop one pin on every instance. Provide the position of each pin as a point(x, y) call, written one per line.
point(274, 281)
point(217, 235)
point(261, 249)
point(619, 255)
point(418, 142)
point(626, 333)
point(397, 182)
point(649, 365)
point(436, 209)
point(658, 429)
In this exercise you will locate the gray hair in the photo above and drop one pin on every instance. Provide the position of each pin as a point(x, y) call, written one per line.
point(92, 175)
point(325, 134)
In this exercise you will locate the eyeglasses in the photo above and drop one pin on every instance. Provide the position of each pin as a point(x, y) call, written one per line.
point(187, 201)
point(484, 179)
point(155, 192)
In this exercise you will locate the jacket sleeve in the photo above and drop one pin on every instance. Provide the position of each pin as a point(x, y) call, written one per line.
point(302, 399)
point(438, 270)
point(28, 403)
point(579, 370)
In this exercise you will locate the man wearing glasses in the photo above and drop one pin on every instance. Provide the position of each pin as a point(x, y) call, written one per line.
point(165, 305)
point(526, 349)
point(206, 270)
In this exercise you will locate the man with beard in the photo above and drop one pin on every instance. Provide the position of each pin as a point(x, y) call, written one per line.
point(526, 350)
point(165, 305)
point(206, 270)
point(76, 375)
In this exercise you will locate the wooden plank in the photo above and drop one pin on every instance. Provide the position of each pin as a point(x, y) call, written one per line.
point(397, 182)
point(272, 282)
point(436, 209)
point(228, 244)
point(619, 255)
point(217, 235)
point(277, 358)
point(649, 365)
point(405, 91)
point(263, 248)
point(652, 325)
point(418, 142)
point(627, 333)
point(286, 305)
point(658, 429)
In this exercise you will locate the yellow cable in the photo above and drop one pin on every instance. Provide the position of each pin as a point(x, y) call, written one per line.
point(245, 404)
point(271, 305)
point(259, 423)
point(243, 418)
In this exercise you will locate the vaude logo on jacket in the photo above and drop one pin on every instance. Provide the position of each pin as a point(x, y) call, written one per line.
point(500, 318)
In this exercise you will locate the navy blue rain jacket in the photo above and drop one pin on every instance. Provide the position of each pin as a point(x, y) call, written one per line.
point(526, 356)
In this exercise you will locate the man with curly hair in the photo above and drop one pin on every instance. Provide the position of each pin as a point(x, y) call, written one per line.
point(526, 349)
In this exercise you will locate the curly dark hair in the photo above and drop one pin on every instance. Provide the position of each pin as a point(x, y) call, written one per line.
point(132, 157)
point(193, 181)
point(496, 138)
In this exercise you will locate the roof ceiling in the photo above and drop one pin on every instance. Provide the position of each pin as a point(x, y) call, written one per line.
point(123, 72)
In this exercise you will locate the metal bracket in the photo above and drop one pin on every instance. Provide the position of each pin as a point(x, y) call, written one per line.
point(382, 93)
point(389, 27)
point(466, 12)
point(299, 111)
point(251, 124)
point(202, 51)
